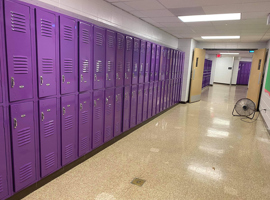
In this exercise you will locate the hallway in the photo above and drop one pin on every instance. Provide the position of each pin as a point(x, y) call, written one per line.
point(193, 151)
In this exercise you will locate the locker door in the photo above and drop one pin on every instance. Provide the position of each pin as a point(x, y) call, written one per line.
point(165, 94)
point(162, 95)
point(133, 106)
point(1, 91)
point(98, 117)
point(163, 58)
point(136, 60)
point(158, 97)
point(118, 111)
point(147, 62)
point(168, 61)
point(69, 129)
point(23, 142)
point(110, 58)
point(99, 57)
point(153, 63)
point(150, 100)
point(171, 64)
point(126, 113)
point(48, 136)
point(68, 42)
point(145, 101)
point(85, 56)
point(170, 91)
point(85, 123)
point(19, 55)
point(140, 103)
point(157, 63)
point(3, 159)
point(128, 61)
point(120, 60)
point(142, 61)
point(154, 106)
point(109, 114)
point(174, 63)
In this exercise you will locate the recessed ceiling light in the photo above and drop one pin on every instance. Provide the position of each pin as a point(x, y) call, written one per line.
point(229, 53)
point(220, 37)
point(214, 17)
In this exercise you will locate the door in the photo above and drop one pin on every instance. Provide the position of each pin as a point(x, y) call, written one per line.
point(147, 62)
point(23, 143)
point(133, 106)
point(162, 95)
point(196, 75)
point(140, 103)
point(85, 56)
point(150, 100)
point(169, 94)
point(162, 66)
point(157, 63)
point(109, 114)
point(68, 46)
point(243, 73)
point(98, 118)
point(118, 111)
point(165, 94)
point(85, 123)
point(126, 112)
point(46, 52)
point(136, 60)
point(256, 75)
point(19, 54)
point(153, 62)
point(158, 96)
point(120, 60)
point(110, 58)
point(128, 60)
point(1, 90)
point(168, 64)
point(154, 104)
point(69, 129)
point(48, 136)
point(142, 61)
point(145, 101)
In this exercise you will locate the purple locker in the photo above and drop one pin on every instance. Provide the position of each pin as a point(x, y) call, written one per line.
point(118, 111)
point(171, 64)
point(19, 55)
point(153, 63)
point(136, 60)
point(163, 59)
point(157, 63)
point(1, 91)
point(126, 111)
point(23, 142)
point(46, 51)
point(99, 57)
point(145, 101)
point(162, 95)
point(3, 159)
point(120, 60)
point(69, 129)
point(165, 94)
point(142, 61)
point(140, 103)
point(85, 123)
point(168, 62)
point(48, 136)
point(128, 60)
point(110, 58)
point(133, 106)
point(98, 117)
point(169, 96)
point(155, 92)
point(158, 97)
point(68, 44)
point(85, 56)
point(150, 99)
point(109, 114)
point(147, 62)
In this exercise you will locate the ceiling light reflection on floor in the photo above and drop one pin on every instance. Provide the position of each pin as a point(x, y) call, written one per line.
point(212, 151)
point(208, 172)
point(221, 122)
point(217, 133)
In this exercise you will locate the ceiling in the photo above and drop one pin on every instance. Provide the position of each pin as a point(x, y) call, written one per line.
point(243, 54)
point(163, 14)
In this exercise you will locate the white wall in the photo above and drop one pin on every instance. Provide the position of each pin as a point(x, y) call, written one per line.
point(222, 73)
point(236, 66)
point(228, 45)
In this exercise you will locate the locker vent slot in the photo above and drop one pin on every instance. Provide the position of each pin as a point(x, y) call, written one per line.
point(109, 109)
point(128, 64)
point(68, 151)
point(1, 185)
point(85, 66)
point(119, 67)
point(97, 137)
point(117, 127)
point(46, 28)
point(18, 22)
point(68, 65)
point(68, 33)
point(108, 131)
point(99, 68)
point(97, 113)
point(99, 39)
point(111, 41)
point(26, 172)
point(120, 43)
point(68, 122)
point(24, 136)
point(110, 65)
point(20, 64)
point(84, 143)
point(136, 46)
point(47, 65)
point(50, 160)
point(84, 117)
point(49, 128)
point(85, 36)
point(129, 44)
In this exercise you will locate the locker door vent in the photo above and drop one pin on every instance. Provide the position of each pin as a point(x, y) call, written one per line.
point(1, 184)
point(99, 39)
point(86, 66)
point(26, 172)
point(18, 22)
point(110, 65)
point(46, 28)
point(50, 160)
point(129, 44)
point(84, 117)
point(109, 109)
point(68, 151)
point(99, 67)
point(108, 131)
point(136, 46)
point(84, 143)
point(68, 65)
point(47, 65)
point(49, 128)
point(68, 122)
point(68, 33)
point(20, 64)
point(24, 136)
point(97, 113)
point(85, 36)
point(98, 137)
point(128, 66)
point(120, 42)
point(119, 67)
point(111, 41)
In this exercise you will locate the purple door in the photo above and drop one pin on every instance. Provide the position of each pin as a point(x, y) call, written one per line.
point(126, 111)
point(48, 136)
point(120, 60)
point(118, 111)
point(98, 118)
point(109, 114)
point(157, 63)
point(150, 99)
point(85, 123)
point(68, 44)
point(147, 62)
point(19, 55)
point(142, 61)
point(243, 73)
point(110, 58)
point(162, 95)
point(99, 57)
point(169, 93)
point(69, 128)
point(154, 106)
point(168, 62)
point(23, 142)
point(85, 56)
point(165, 94)
point(145, 101)
point(1, 91)
point(158, 97)
point(140, 103)
point(46, 51)
point(128, 60)
point(133, 106)
point(153, 63)
point(171, 64)
point(136, 60)
point(163, 59)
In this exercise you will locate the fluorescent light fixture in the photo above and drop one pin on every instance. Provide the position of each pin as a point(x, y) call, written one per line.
point(214, 17)
point(229, 53)
point(220, 37)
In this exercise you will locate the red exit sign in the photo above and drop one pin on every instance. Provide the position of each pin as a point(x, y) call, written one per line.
point(218, 55)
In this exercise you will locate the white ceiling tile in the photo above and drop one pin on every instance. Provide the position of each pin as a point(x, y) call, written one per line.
point(256, 7)
point(123, 6)
point(157, 13)
point(174, 25)
point(254, 15)
point(166, 19)
point(228, 8)
point(199, 24)
point(145, 5)
point(178, 3)
point(138, 13)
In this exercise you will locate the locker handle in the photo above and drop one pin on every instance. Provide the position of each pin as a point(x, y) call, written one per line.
point(133, 74)
point(81, 106)
point(126, 76)
point(117, 76)
point(81, 78)
point(12, 82)
point(107, 76)
point(95, 78)
point(15, 122)
point(63, 78)
point(41, 80)
point(107, 100)
point(64, 110)
point(95, 103)
point(42, 116)
point(116, 97)
point(259, 78)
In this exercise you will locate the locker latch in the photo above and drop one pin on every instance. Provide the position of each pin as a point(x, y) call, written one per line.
point(15, 122)
point(107, 76)
point(81, 106)
point(63, 78)
point(64, 110)
point(41, 80)
point(12, 82)
point(116, 97)
point(95, 78)
point(126, 76)
point(95, 103)
point(117, 76)
point(107, 100)
point(42, 116)
point(81, 78)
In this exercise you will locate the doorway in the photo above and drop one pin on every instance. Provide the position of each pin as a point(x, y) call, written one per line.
point(243, 73)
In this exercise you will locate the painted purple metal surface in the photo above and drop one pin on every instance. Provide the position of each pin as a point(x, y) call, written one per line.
point(163, 59)
point(145, 101)
point(153, 62)
point(165, 94)
point(1, 88)
point(128, 60)
point(243, 73)
point(140, 103)
point(158, 53)
point(120, 60)
point(133, 106)
point(98, 118)
point(168, 62)
point(162, 95)
point(142, 61)
point(150, 100)
point(110, 58)
point(171, 63)
point(147, 62)
point(109, 114)
point(136, 60)
point(126, 111)
point(154, 103)
point(158, 96)
point(118, 111)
